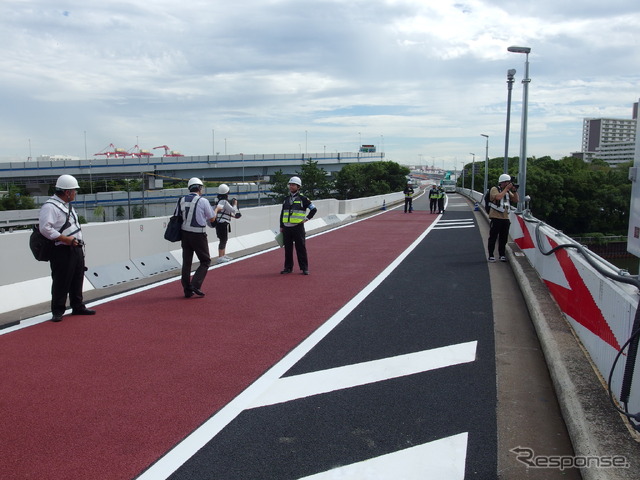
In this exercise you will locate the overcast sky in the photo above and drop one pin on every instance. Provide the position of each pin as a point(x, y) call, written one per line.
point(420, 79)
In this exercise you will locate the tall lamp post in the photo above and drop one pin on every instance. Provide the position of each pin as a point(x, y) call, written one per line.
point(486, 164)
point(522, 173)
point(510, 74)
point(473, 172)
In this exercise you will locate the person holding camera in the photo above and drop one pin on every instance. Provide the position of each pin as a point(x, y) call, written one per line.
point(501, 198)
point(224, 211)
point(58, 221)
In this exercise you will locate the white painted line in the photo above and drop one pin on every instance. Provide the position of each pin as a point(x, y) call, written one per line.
point(441, 459)
point(445, 227)
point(339, 378)
point(176, 457)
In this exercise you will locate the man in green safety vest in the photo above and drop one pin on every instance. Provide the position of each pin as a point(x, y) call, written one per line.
point(292, 219)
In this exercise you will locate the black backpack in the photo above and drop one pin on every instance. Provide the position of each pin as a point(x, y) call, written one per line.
point(487, 201)
point(41, 246)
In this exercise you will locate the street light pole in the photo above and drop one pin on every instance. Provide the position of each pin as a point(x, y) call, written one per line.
point(522, 173)
point(473, 172)
point(486, 164)
point(510, 74)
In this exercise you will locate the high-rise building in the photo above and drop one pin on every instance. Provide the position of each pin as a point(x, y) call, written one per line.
point(610, 139)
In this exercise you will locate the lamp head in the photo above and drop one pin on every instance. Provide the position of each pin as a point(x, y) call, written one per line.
point(511, 72)
point(483, 135)
point(519, 49)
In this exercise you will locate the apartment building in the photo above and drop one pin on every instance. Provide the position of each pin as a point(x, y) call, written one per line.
point(610, 139)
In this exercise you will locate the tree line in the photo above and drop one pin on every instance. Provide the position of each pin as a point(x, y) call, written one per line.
point(570, 194)
point(354, 180)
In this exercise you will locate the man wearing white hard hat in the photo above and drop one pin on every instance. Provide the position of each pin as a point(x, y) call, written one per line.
point(196, 213)
point(58, 221)
point(501, 198)
point(224, 211)
point(292, 219)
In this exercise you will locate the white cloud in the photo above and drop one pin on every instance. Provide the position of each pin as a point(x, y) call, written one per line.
point(424, 78)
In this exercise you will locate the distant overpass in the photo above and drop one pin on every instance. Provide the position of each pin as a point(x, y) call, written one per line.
point(38, 175)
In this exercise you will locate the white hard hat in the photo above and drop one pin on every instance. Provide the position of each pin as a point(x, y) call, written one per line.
point(223, 189)
point(296, 180)
point(194, 181)
point(67, 182)
point(505, 177)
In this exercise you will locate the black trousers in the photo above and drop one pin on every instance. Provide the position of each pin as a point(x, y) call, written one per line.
point(433, 204)
point(408, 204)
point(295, 236)
point(498, 230)
point(194, 243)
point(67, 275)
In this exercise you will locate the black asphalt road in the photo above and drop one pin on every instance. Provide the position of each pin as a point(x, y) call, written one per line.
point(438, 296)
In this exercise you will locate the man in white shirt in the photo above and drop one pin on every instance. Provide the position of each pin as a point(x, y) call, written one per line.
point(58, 221)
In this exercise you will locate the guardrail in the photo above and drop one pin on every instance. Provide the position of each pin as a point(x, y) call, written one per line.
point(598, 299)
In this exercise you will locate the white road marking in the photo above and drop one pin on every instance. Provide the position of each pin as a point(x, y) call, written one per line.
point(299, 386)
point(184, 450)
point(443, 458)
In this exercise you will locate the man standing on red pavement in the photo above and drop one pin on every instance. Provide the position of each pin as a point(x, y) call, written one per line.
point(58, 221)
point(196, 212)
point(292, 219)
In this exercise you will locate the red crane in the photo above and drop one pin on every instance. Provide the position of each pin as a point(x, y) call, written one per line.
point(168, 152)
point(136, 152)
point(115, 152)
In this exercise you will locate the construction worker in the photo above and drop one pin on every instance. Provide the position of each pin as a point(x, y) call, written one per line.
point(441, 197)
point(224, 211)
point(292, 220)
point(433, 198)
point(58, 221)
point(196, 212)
point(408, 198)
point(501, 198)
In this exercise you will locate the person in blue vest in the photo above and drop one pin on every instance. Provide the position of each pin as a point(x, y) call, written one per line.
point(196, 213)
point(408, 198)
point(58, 221)
point(292, 219)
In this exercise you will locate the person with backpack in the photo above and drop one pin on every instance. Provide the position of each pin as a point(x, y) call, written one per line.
point(224, 211)
point(501, 197)
point(196, 212)
point(58, 222)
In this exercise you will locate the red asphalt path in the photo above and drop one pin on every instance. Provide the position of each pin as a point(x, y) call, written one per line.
point(104, 397)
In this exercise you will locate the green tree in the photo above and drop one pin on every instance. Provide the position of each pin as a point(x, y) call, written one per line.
point(315, 182)
point(357, 180)
point(16, 198)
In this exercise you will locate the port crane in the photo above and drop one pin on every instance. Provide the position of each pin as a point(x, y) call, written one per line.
point(135, 151)
point(168, 152)
point(114, 152)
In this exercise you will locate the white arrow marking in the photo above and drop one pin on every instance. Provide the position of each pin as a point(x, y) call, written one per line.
point(300, 386)
point(444, 458)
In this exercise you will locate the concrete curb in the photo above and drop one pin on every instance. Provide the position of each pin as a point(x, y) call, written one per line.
point(595, 428)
